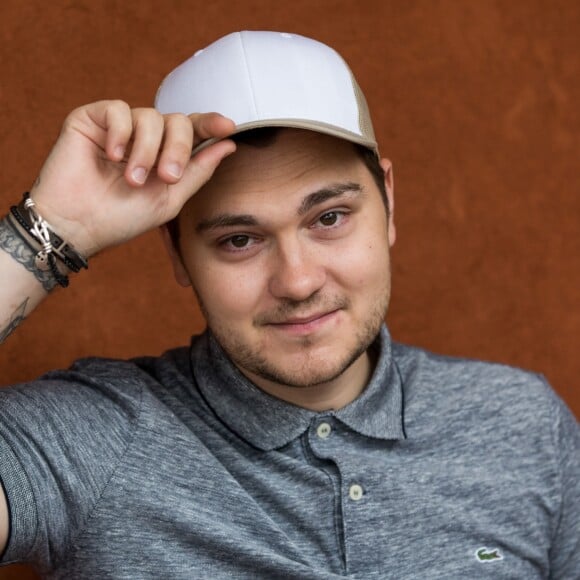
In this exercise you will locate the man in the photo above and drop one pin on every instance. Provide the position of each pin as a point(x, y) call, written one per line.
point(293, 439)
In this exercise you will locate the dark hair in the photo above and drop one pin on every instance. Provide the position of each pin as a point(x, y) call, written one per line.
point(266, 136)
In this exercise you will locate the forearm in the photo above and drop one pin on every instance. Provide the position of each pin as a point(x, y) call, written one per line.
point(113, 174)
point(23, 285)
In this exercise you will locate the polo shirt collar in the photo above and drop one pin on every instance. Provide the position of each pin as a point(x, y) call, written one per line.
point(267, 422)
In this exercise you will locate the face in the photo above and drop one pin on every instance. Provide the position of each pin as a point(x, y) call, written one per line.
point(287, 250)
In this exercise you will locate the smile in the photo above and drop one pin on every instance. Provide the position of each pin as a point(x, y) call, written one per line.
point(306, 325)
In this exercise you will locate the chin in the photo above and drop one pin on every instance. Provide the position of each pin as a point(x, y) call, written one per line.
point(311, 368)
point(305, 379)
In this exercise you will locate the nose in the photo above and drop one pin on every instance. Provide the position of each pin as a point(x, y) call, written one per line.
point(296, 272)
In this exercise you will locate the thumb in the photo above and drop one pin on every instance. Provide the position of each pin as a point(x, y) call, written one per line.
point(202, 166)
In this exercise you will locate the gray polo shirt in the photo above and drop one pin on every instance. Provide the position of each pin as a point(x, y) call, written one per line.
point(178, 467)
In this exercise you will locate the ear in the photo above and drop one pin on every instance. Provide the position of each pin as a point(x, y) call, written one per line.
point(389, 186)
point(179, 270)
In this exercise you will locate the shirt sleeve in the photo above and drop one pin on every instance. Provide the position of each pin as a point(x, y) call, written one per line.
point(61, 438)
point(565, 551)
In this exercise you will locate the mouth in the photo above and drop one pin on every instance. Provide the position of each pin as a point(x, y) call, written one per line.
point(300, 325)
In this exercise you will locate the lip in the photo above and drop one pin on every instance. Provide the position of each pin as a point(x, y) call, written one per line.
point(308, 324)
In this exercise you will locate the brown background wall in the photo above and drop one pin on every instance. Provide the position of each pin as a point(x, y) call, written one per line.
point(476, 103)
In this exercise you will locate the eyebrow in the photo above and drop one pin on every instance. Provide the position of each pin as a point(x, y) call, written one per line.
point(322, 195)
point(225, 220)
point(313, 199)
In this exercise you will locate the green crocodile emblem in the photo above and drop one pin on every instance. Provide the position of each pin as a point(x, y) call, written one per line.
point(486, 555)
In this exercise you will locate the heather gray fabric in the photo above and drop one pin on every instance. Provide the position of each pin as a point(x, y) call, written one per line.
point(140, 470)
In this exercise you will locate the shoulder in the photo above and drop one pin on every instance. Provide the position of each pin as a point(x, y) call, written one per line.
point(496, 415)
point(103, 391)
point(453, 376)
point(476, 394)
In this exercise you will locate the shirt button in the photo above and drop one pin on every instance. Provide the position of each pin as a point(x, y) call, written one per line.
point(323, 430)
point(355, 492)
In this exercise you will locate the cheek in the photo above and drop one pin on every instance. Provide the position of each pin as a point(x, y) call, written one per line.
point(365, 263)
point(228, 292)
point(372, 269)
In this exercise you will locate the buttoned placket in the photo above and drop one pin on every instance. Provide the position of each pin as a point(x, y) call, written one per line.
point(327, 438)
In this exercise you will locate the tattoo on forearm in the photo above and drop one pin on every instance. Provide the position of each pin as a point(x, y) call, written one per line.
point(14, 245)
point(16, 318)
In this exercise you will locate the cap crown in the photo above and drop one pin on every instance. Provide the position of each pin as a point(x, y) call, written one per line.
point(261, 79)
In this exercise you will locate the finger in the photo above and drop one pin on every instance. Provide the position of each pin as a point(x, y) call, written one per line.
point(108, 124)
point(209, 125)
point(119, 127)
point(148, 126)
point(177, 144)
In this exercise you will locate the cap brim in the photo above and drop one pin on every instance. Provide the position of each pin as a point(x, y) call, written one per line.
point(316, 126)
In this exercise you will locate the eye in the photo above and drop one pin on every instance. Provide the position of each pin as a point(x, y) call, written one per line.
point(328, 219)
point(237, 243)
point(331, 219)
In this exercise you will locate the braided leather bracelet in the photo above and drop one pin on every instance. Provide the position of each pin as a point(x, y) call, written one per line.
point(44, 260)
point(51, 244)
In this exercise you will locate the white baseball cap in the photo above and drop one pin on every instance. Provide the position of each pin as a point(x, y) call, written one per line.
point(270, 79)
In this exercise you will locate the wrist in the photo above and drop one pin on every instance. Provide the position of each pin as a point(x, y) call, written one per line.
point(19, 247)
point(52, 253)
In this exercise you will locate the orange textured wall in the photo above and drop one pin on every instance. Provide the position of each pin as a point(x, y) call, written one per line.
point(476, 103)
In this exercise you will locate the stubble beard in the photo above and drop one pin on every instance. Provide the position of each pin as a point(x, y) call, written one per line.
point(313, 371)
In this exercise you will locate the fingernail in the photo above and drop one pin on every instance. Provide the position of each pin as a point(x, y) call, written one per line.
point(119, 151)
point(174, 169)
point(139, 174)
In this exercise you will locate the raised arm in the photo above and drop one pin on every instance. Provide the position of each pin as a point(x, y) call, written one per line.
point(114, 173)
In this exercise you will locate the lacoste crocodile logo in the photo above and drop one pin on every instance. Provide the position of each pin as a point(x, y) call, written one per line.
point(487, 555)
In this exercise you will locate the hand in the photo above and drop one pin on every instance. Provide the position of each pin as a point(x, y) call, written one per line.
point(116, 172)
